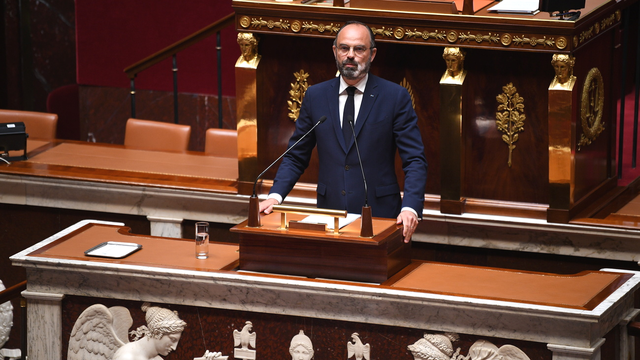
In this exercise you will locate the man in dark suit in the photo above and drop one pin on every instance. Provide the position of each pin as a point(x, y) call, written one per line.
point(383, 119)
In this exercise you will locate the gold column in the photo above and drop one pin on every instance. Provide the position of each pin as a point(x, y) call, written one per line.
point(562, 137)
point(247, 111)
point(451, 101)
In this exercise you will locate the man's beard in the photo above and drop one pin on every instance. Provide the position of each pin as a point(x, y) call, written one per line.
point(351, 73)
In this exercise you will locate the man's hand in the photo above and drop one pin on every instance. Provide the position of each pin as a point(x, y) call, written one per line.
point(266, 206)
point(409, 222)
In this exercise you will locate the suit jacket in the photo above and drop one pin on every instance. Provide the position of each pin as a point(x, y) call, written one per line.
point(386, 122)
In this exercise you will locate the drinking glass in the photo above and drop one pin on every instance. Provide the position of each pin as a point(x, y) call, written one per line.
point(202, 240)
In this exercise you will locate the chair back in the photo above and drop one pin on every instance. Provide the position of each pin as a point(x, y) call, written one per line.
point(38, 125)
point(156, 135)
point(221, 142)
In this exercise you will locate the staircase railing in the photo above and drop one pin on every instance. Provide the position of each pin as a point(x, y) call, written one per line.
point(172, 51)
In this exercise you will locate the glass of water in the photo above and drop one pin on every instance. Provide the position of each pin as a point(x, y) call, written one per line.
point(202, 240)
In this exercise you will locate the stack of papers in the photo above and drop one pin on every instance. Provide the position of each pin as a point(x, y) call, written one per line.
point(529, 7)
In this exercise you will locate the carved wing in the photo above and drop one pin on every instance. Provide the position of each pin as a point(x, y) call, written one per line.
point(512, 353)
point(252, 340)
point(351, 349)
point(237, 338)
point(366, 351)
point(99, 332)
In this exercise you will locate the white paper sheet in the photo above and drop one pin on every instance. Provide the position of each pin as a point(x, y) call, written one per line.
point(328, 220)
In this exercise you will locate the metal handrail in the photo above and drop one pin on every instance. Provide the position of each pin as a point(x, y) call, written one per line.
point(172, 50)
point(133, 70)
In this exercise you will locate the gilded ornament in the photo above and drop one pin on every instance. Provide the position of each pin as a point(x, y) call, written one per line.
point(618, 15)
point(405, 84)
point(561, 43)
point(510, 116)
point(479, 38)
point(425, 35)
point(533, 41)
point(310, 26)
point(505, 39)
point(296, 26)
point(398, 33)
point(258, 23)
point(452, 36)
point(297, 92)
point(245, 22)
point(382, 31)
point(591, 107)
point(575, 41)
point(597, 27)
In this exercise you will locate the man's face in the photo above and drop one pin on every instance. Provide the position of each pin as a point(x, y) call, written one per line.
point(167, 343)
point(353, 53)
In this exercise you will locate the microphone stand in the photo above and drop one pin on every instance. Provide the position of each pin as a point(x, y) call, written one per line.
point(366, 219)
point(254, 201)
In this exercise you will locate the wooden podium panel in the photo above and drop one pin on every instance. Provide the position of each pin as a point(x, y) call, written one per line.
point(343, 256)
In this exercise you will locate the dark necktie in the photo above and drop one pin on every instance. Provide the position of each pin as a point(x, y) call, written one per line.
point(348, 115)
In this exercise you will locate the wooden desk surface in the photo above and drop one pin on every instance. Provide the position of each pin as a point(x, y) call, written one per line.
point(117, 164)
point(580, 291)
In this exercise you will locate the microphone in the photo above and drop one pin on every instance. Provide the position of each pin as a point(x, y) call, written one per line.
point(254, 203)
point(366, 225)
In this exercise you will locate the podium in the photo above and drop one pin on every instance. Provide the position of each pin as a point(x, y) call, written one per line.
point(345, 255)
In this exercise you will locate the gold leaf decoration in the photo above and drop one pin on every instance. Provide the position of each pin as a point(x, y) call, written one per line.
point(297, 92)
point(510, 116)
point(591, 108)
point(405, 84)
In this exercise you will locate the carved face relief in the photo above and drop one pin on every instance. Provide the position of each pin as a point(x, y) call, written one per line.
point(562, 70)
point(247, 49)
point(453, 65)
point(300, 353)
point(167, 343)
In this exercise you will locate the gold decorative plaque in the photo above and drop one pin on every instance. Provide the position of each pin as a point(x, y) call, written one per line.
point(591, 107)
point(297, 92)
point(510, 116)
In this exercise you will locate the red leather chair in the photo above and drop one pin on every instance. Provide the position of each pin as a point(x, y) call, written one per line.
point(156, 135)
point(39, 125)
point(221, 142)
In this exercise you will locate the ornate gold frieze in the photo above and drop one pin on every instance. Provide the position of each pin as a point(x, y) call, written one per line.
point(598, 27)
point(533, 41)
point(439, 35)
point(479, 38)
point(510, 116)
point(321, 28)
point(405, 84)
point(280, 24)
point(451, 36)
point(591, 107)
point(383, 31)
point(297, 92)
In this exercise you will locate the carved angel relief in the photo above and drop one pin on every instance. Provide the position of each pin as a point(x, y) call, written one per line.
point(440, 347)
point(510, 116)
point(100, 333)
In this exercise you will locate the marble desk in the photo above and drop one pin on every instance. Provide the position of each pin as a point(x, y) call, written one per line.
point(562, 331)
